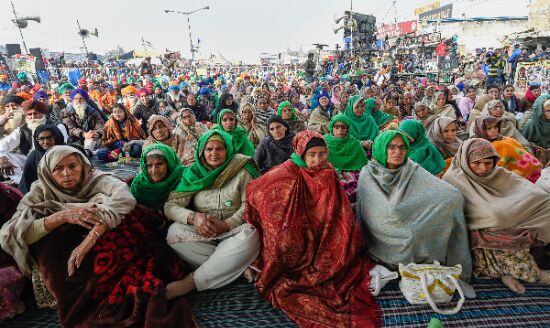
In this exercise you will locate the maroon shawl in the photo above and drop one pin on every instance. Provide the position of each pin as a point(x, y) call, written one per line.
point(312, 266)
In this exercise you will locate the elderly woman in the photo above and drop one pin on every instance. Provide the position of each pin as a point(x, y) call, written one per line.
point(319, 119)
point(276, 148)
point(345, 153)
point(227, 122)
point(161, 130)
point(362, 125)
point(311, 265)
point(208, 206)
point(425, 115)
point(537, 130)
point(120, 130)
point(478, 108)
point(508, 123)
point(247, 120)
point(160, 173)
point(77, 231)
point(45, 137)
point(191, 131)
point(384, 120)
point(403, 225)
point(506, 215)
point(421, 150)
point(513, 156)
point(441, 107)
point(288, 113)
point(442, 135)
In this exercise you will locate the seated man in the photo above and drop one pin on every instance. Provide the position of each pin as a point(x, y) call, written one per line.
point(15, 147)
point(409, 215)
point(13, 116)
point(84, 124)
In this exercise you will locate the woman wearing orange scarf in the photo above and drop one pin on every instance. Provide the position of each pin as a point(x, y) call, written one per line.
point(118, 133)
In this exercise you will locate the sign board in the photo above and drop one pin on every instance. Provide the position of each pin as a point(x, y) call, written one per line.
point(24, 63)
point(392, 31)
point(532, 72)
point(438, 13)
point(202, 72)
point(423, 9)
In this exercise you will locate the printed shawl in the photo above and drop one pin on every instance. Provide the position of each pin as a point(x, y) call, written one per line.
point(311, 265)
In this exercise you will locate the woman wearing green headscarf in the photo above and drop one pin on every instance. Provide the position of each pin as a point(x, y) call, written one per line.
point(345, 153)
point(227, 122)
point(207, 206)
point(288, 113)
point(384, 120)
point(409, 215)
point(160, 173)
point(421, 150)
point(537, 130)
point(362, 125)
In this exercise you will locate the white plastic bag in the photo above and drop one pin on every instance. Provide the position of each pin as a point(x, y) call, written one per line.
point(379, 277)
point(431, 284)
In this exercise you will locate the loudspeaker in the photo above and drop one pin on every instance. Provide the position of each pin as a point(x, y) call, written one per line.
point(39, 61)
point(12, 49)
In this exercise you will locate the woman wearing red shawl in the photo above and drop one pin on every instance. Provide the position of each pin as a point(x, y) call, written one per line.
point(311, 264)
point(532, 93)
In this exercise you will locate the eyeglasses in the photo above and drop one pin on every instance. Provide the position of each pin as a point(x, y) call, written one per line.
point(42, 139)
point(340, 126)
point(402, 148)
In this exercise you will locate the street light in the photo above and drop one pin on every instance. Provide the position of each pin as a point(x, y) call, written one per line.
point(191, 47)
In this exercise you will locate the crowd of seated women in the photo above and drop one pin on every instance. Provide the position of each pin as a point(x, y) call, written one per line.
point(303, 204)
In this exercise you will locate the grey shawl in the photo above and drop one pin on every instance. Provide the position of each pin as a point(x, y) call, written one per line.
point(411, 216)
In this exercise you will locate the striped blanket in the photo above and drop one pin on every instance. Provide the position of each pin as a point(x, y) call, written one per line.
point(238, 305)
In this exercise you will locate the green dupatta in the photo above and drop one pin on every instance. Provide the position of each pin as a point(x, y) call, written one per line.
point(154, 194)
point(421, 150)
point(198, 177)
point(345, 154)
point(241, 143)
point(364, 127)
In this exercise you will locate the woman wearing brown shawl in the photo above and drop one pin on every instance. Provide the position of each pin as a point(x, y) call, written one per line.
point(513, 156)
point(109, 277)
point(508, 123)
point(161, 130)
point(311, 264)
point(247, 120)
point(425, 115)
point(442, 134)
point(478, 108)
point(506, 215)
point(191, 131)
point(441, 107)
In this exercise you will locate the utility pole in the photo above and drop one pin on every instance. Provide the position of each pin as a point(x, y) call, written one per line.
point(191, 47)
point(19, 27)
point(82, 37)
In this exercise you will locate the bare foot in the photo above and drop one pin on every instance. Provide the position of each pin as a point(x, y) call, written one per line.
point(544, 277)
point(180, 287)
point(248, 274)
point(513, 284)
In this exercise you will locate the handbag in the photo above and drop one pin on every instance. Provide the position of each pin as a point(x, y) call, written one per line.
point(431, 284)
point(379, 277)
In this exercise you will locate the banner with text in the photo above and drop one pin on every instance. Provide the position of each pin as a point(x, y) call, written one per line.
point(392, 31)
point(438, 13)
